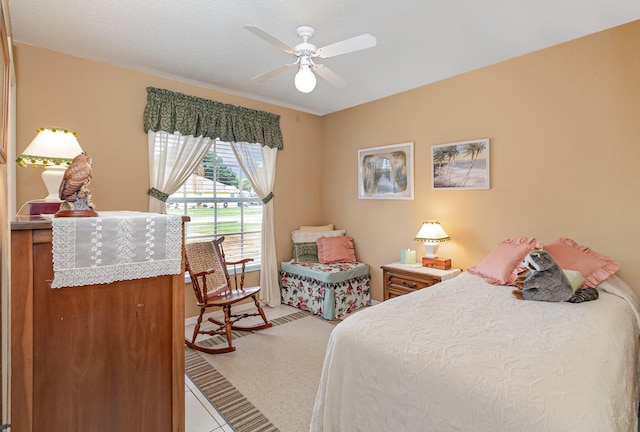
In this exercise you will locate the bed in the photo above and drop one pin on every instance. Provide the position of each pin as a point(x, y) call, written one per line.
point(467, 355)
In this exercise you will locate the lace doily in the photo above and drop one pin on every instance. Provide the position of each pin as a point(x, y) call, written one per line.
point(115, 246)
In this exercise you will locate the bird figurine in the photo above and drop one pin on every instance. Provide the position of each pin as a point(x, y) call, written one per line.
point(77, 175)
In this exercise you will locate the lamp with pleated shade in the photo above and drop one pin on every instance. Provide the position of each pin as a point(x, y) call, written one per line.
point(53, 149)
point(432, 234)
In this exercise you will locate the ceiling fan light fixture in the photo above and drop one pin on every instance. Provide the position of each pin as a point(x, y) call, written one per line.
point(305, 80)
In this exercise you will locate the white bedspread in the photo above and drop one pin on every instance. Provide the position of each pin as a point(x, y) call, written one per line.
point(465, 355)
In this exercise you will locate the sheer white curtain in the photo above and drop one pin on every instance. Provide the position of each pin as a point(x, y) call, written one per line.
point(172, 158)
point(261, 173)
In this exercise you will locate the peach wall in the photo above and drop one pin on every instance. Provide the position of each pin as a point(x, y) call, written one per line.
point(564, 154)
point(564, 127)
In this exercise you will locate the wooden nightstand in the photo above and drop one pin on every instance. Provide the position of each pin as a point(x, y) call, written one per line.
point(402, 279)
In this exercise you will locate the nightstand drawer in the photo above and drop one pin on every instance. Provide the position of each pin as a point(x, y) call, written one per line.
point(400, 279)
point(405, 282)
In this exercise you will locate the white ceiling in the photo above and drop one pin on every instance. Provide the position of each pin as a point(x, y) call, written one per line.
point(204, 42)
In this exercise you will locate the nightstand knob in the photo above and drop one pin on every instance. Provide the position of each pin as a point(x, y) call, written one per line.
point(412, 285)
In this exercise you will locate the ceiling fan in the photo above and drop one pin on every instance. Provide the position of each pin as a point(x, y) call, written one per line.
point(305, 52)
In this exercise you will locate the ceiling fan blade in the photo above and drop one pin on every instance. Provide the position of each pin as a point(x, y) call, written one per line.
point(346, 46)
point(330, 76)
point(271, 39)
point(265, 76)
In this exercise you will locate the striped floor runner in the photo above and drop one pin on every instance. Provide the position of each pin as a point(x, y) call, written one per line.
point(230, 403)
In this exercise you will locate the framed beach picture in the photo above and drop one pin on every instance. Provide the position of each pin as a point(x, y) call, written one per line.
point(461, 165)
point(386, 172)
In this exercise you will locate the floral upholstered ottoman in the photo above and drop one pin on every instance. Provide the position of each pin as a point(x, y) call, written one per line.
point(328, 290)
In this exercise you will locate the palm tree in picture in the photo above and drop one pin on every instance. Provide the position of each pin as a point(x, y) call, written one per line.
point(472, 150)
point(450, 152)
point(438, 159)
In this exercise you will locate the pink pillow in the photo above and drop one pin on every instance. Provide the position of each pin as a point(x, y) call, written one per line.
point(504, 262)
point(594, 267)
point(335, 249)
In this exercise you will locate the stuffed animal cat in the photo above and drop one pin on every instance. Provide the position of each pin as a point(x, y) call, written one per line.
point(546, 281)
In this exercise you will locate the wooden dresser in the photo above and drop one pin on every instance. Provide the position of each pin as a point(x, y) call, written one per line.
point(400, 279)
point(96, 358)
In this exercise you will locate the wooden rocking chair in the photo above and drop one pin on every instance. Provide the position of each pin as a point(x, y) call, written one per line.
point(213, 287)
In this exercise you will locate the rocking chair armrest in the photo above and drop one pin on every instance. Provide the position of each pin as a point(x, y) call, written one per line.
point(204, 273)
point(242, 261)
point(236, 278)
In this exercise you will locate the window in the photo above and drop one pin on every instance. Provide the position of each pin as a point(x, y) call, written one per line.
point(220, 201)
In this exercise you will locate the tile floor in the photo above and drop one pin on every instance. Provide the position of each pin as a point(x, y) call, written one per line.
point(200, 415)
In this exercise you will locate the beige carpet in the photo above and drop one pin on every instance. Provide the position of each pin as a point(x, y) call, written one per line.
point(278, 370)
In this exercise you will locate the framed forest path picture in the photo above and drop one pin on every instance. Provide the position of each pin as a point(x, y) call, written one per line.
point(386, 172)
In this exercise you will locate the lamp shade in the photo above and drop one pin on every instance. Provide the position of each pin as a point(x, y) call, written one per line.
point(54, 150)
point(432, 234)
point(432, 231)
point(51, 146)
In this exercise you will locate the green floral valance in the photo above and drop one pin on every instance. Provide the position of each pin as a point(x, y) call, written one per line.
point(170, 112)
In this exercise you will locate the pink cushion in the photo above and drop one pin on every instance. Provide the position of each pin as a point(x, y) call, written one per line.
point(504, 262)
point(335, 249)
point(594, 267)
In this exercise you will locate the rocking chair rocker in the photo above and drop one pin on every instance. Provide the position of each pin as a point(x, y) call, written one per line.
point(213, 287)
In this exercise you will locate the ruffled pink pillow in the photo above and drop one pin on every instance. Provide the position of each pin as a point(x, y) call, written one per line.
point(335, 249)
point(594, 267)
point(504, 262)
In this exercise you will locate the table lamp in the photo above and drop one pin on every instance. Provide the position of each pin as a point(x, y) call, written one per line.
point(432, 234)
point(53, 149)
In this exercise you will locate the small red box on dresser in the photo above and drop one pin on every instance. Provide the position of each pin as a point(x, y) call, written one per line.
point(442, 264)
point(38, 208)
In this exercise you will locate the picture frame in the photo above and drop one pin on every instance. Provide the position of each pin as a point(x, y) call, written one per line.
point(386, 172)
point(5, 81)
point(462, 165)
